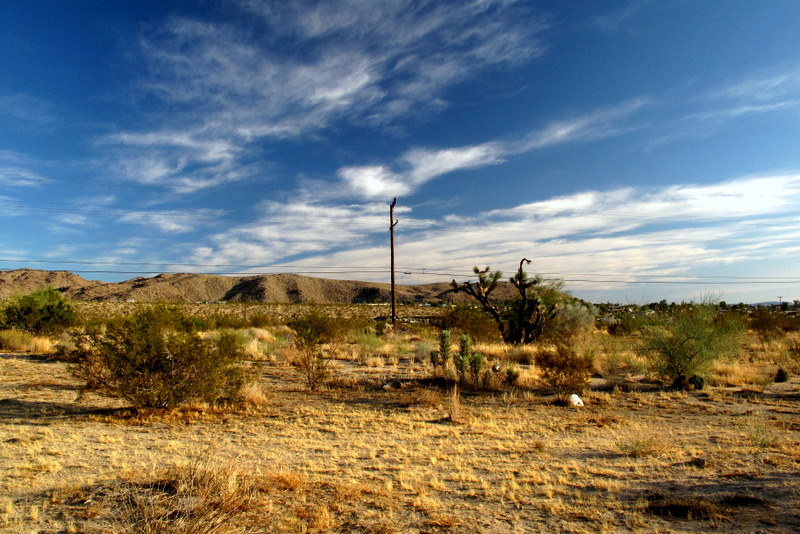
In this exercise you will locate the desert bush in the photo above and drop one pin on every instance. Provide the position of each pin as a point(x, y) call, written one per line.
point(155, 359)
point(521, 355)
point(311, 331)
point(791, 353)
point(565, 369)
point(573, 320)
point(42, 312)
point(626, 324)
point(476, 362)
point(232, 320)
point(369, 342)
point(201, 498)
point(511, 375)
point(472, 322)
point(688, 342)
point(422, 351)
point(781, 375)
point(767, 324)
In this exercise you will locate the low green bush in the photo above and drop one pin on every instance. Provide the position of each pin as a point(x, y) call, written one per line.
point(472, 322)
point(312, 330)
point(689, 340)
point(573, 320)
point(42, 312)
point(154, 358)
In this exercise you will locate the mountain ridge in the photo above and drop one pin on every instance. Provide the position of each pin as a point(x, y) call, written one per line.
point(272, 288)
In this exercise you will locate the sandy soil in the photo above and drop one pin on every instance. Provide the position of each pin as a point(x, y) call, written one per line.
point(369, 459)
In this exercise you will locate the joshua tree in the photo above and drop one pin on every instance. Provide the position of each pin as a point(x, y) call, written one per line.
point(525, 319)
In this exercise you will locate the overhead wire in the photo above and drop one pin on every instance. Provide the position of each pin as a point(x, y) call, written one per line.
point(256, 270)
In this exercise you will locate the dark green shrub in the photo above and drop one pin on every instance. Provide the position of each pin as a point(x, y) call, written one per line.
point(689, 340)
point(767, 324)
point(476, 363)
point(471, 321)
point(311, 331)
point(42, 312)
point(565, 370)
point(771, 325)
point(155, 359)
point(511, 375)
point(626, 324)
point(781, 375)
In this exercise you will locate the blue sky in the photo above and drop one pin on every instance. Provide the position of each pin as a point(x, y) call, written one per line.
point(638, 150)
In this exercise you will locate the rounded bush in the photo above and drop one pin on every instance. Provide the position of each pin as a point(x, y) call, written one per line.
point(155, 359)
point(42, 312)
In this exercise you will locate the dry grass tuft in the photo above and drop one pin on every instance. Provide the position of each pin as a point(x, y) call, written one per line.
point(641, 442)
point(428, 398)
point(739, 374)
point(253, 396)
point(522, 354)
point(686, 508)
point(16, 340)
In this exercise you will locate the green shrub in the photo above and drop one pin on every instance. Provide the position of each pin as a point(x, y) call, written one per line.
point(687, 342)
point(511, 375)
point(627, 323)
point(155, 359)
point(771, 325)
point(565, 369)
point(422, 351)
point(573, 320)
point(439, 358)
point(368, 341)
point(471, 321)
point(462, 357)
point(475, 363)
point(42, 312)
point(311, 331)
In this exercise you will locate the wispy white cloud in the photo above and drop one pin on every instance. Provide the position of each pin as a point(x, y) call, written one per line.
point(600, 234)
point(767, 91)
point(15, 171)
point(706, 112)
point(616, 19)
point(415, 168)
point(419, 166)
point(597, 124)
point(26, 111)
point(374, 62)
point(295, 229)
point(172, 221)
point(771, 85)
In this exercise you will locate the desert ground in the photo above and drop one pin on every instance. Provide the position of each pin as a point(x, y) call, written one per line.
point(383, 449)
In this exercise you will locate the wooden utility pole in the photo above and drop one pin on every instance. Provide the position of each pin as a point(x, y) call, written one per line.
point(392, 224)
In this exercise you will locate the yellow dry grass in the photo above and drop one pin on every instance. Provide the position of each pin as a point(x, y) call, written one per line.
point(358, 457)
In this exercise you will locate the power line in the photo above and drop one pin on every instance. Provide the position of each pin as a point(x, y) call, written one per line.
point(260, 269)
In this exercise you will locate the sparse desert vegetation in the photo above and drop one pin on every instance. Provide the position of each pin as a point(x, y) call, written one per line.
point(384, 441)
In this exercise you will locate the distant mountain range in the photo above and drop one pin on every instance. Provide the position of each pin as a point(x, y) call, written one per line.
point(273, 288)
